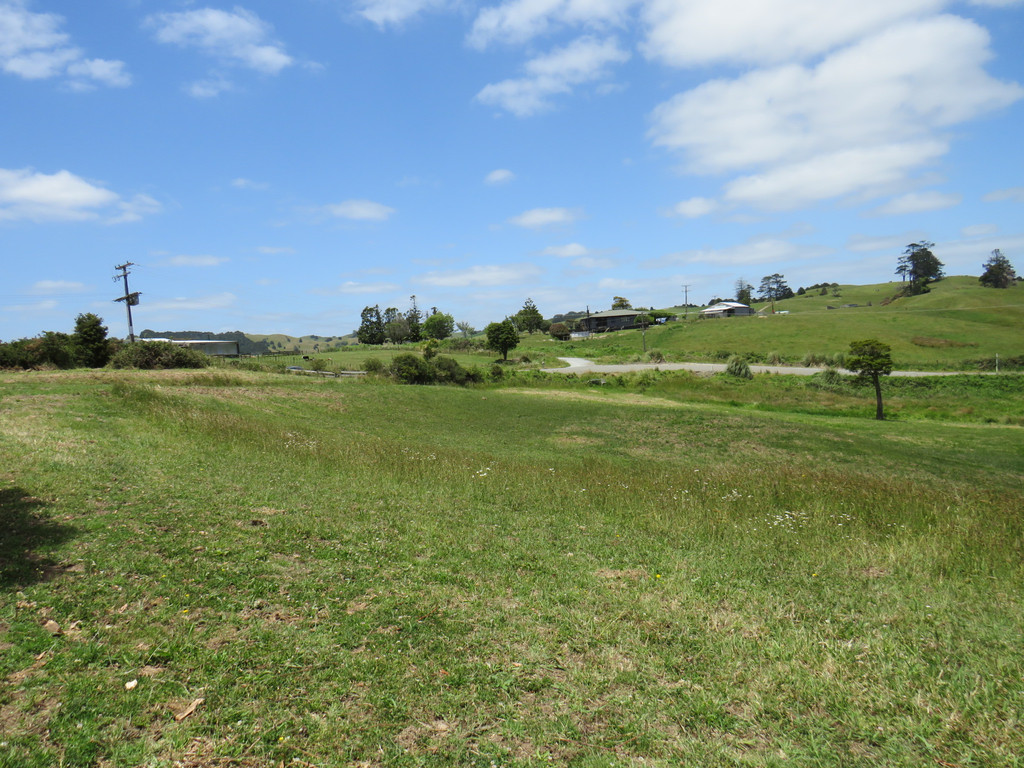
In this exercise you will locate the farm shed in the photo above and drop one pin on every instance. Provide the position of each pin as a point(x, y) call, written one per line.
point(612, 320)
point(727, 309)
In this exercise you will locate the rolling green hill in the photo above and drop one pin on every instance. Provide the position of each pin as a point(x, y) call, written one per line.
point(956, 323)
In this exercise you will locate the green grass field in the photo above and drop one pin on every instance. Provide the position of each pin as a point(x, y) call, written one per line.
point(222, 568)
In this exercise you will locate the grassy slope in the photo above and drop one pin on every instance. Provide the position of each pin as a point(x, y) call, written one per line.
point(986, 321)
point(348, 573)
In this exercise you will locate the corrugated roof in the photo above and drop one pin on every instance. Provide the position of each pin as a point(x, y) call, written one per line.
point(724, 305)
point(616, 313)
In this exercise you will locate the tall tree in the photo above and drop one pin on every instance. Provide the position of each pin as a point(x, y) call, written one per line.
point(998, 272)
point(92, 350)
point(371, 326)
point(501, 337)
point(621, 302)
point(919, 266)
point(466, 329)
point(415, 319)
point(744, 291)
point(871, 359)
point(529, 318)
point(397, 330)
point(774, 288)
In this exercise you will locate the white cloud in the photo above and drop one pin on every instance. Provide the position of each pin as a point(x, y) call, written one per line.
point(61, 196)
point(275, 250)
point(483, 276)
point(50, 287)
point(238, 37)
point(499, 176)
point(103, 71)
point(196, 261)
point(33, 47)
point(870, 170)
point(212, 86)
point(360, 210)
point(583, 60)
point(536, 218)
point(1015, 194)
point(568, 251)
point(918, 202)
point(517, 21)
point(693, 208)
point(593, 262)
point(701, 32)
point(134, 209)
point(860, 122)
point(393, 12)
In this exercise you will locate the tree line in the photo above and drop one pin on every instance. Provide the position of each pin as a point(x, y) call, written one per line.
point(88, 347)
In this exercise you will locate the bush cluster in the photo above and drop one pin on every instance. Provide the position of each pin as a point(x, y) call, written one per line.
point(87, 347)
point(155, 355)
point(408, 368)
point(815, 360)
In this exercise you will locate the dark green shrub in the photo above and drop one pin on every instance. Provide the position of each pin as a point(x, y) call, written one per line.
point(559, 331)
point(154, 355)
point(373, 365)
point(497, 372)
point(448, 371)
point(16, 354)
point(411, 369)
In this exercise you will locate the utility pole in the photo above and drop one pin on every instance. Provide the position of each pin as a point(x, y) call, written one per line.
point(130, 299)
point(686, 301)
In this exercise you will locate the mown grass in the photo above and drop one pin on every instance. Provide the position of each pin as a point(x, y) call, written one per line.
point(358, 574)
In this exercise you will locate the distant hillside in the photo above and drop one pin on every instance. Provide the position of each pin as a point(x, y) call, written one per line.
point(957, 324)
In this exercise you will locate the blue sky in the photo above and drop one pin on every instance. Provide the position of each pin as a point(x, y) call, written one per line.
point(274, 167)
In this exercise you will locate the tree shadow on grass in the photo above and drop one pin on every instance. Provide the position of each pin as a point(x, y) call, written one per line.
point(24, 530)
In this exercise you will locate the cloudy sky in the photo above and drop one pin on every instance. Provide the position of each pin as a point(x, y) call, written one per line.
point(275, 167)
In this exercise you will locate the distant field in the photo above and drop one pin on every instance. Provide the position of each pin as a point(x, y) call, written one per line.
point(956, 324)
point(219, 568)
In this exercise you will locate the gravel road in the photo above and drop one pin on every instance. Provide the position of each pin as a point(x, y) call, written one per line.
point(580, 365)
